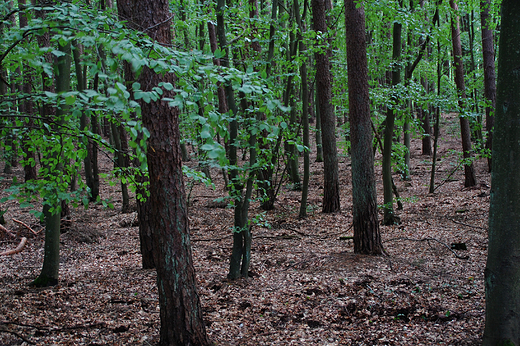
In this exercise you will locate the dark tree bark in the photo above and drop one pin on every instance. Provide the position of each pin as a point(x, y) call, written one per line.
point(180, 311)
point(488, 54)
point(465, 133)
point(331, 201)
point(27, 107)
point(367, 239)
point(502, 272)
point(425, 118)
point(388, 204)
point(305, 106)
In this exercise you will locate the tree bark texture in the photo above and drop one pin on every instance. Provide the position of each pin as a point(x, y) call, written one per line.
point(469, 173)
point(388, 197)
point(27, 106)
point(180, 311)
point(331, 201)
point(367, 239)
point(502, 273)
point(488, 55)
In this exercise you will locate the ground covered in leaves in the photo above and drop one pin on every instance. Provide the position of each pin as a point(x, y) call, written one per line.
point(307, 285)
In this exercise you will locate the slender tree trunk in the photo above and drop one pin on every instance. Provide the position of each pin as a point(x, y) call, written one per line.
point(289, 101)
point(305, 107)
point(331, 200)
point(121, 162)
point(469, 173)
point(502, 272)
point(241, 251)
point(367, 239)
point(427, 129)
point(388, 207)
point(488, 54)
point(30, 157)
point(319, 143)
point(49, 274)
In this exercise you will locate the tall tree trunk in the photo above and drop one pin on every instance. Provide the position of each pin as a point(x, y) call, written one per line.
point(331, 200)
point(367, 239)
point(30, 157)
point(289, 101)
point(319, 143)
point(305, 106)
point(388, 200)
point(488, 54)
point(241, 251)
point(469, 173)
point(425, 118)
point(502, 272)
point(180, 311)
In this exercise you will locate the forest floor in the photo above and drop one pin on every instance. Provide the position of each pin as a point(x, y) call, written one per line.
point(307, 288)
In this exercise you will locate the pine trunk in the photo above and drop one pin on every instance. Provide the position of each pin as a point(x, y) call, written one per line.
point(180, 310)
point(331, 200)
point(367, 239)
point(465, 133)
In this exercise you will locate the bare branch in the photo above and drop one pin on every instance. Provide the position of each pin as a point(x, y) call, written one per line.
point(18, 249)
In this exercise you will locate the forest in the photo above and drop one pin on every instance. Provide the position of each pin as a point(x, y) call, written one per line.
point(231, 172)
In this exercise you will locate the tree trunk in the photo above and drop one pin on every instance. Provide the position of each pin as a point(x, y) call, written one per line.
point(425, 118)
point(469, 173)
point(331, 200)
point(388, 200)
point(241, 251)
point(367, 239)
point(51, 206)
point(180, 311)
point(305, 108)
point(488, 54)
point(27, 108)
point(502, 272)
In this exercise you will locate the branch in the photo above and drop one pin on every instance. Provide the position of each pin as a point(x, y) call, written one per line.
point(428, 240)
point(5, 330)
point(465, 224)
point(25, 225)
point(7, 231)
point(18, 249)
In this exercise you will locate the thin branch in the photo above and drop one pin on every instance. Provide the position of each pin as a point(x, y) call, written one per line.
point(428, 240)
point(7, 231)
point(5, 330)
point(25, 225)
point(159, 24)
point(448, 177)
point(465, 224)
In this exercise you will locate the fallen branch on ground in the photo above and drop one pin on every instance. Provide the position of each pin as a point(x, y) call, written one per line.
point(428, 240)
point(19, 248)
point(7, 231)
point(5, 330)
point(465, 224)
point(25, 225)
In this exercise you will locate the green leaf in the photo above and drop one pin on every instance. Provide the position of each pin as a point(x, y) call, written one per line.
point(70, 100)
